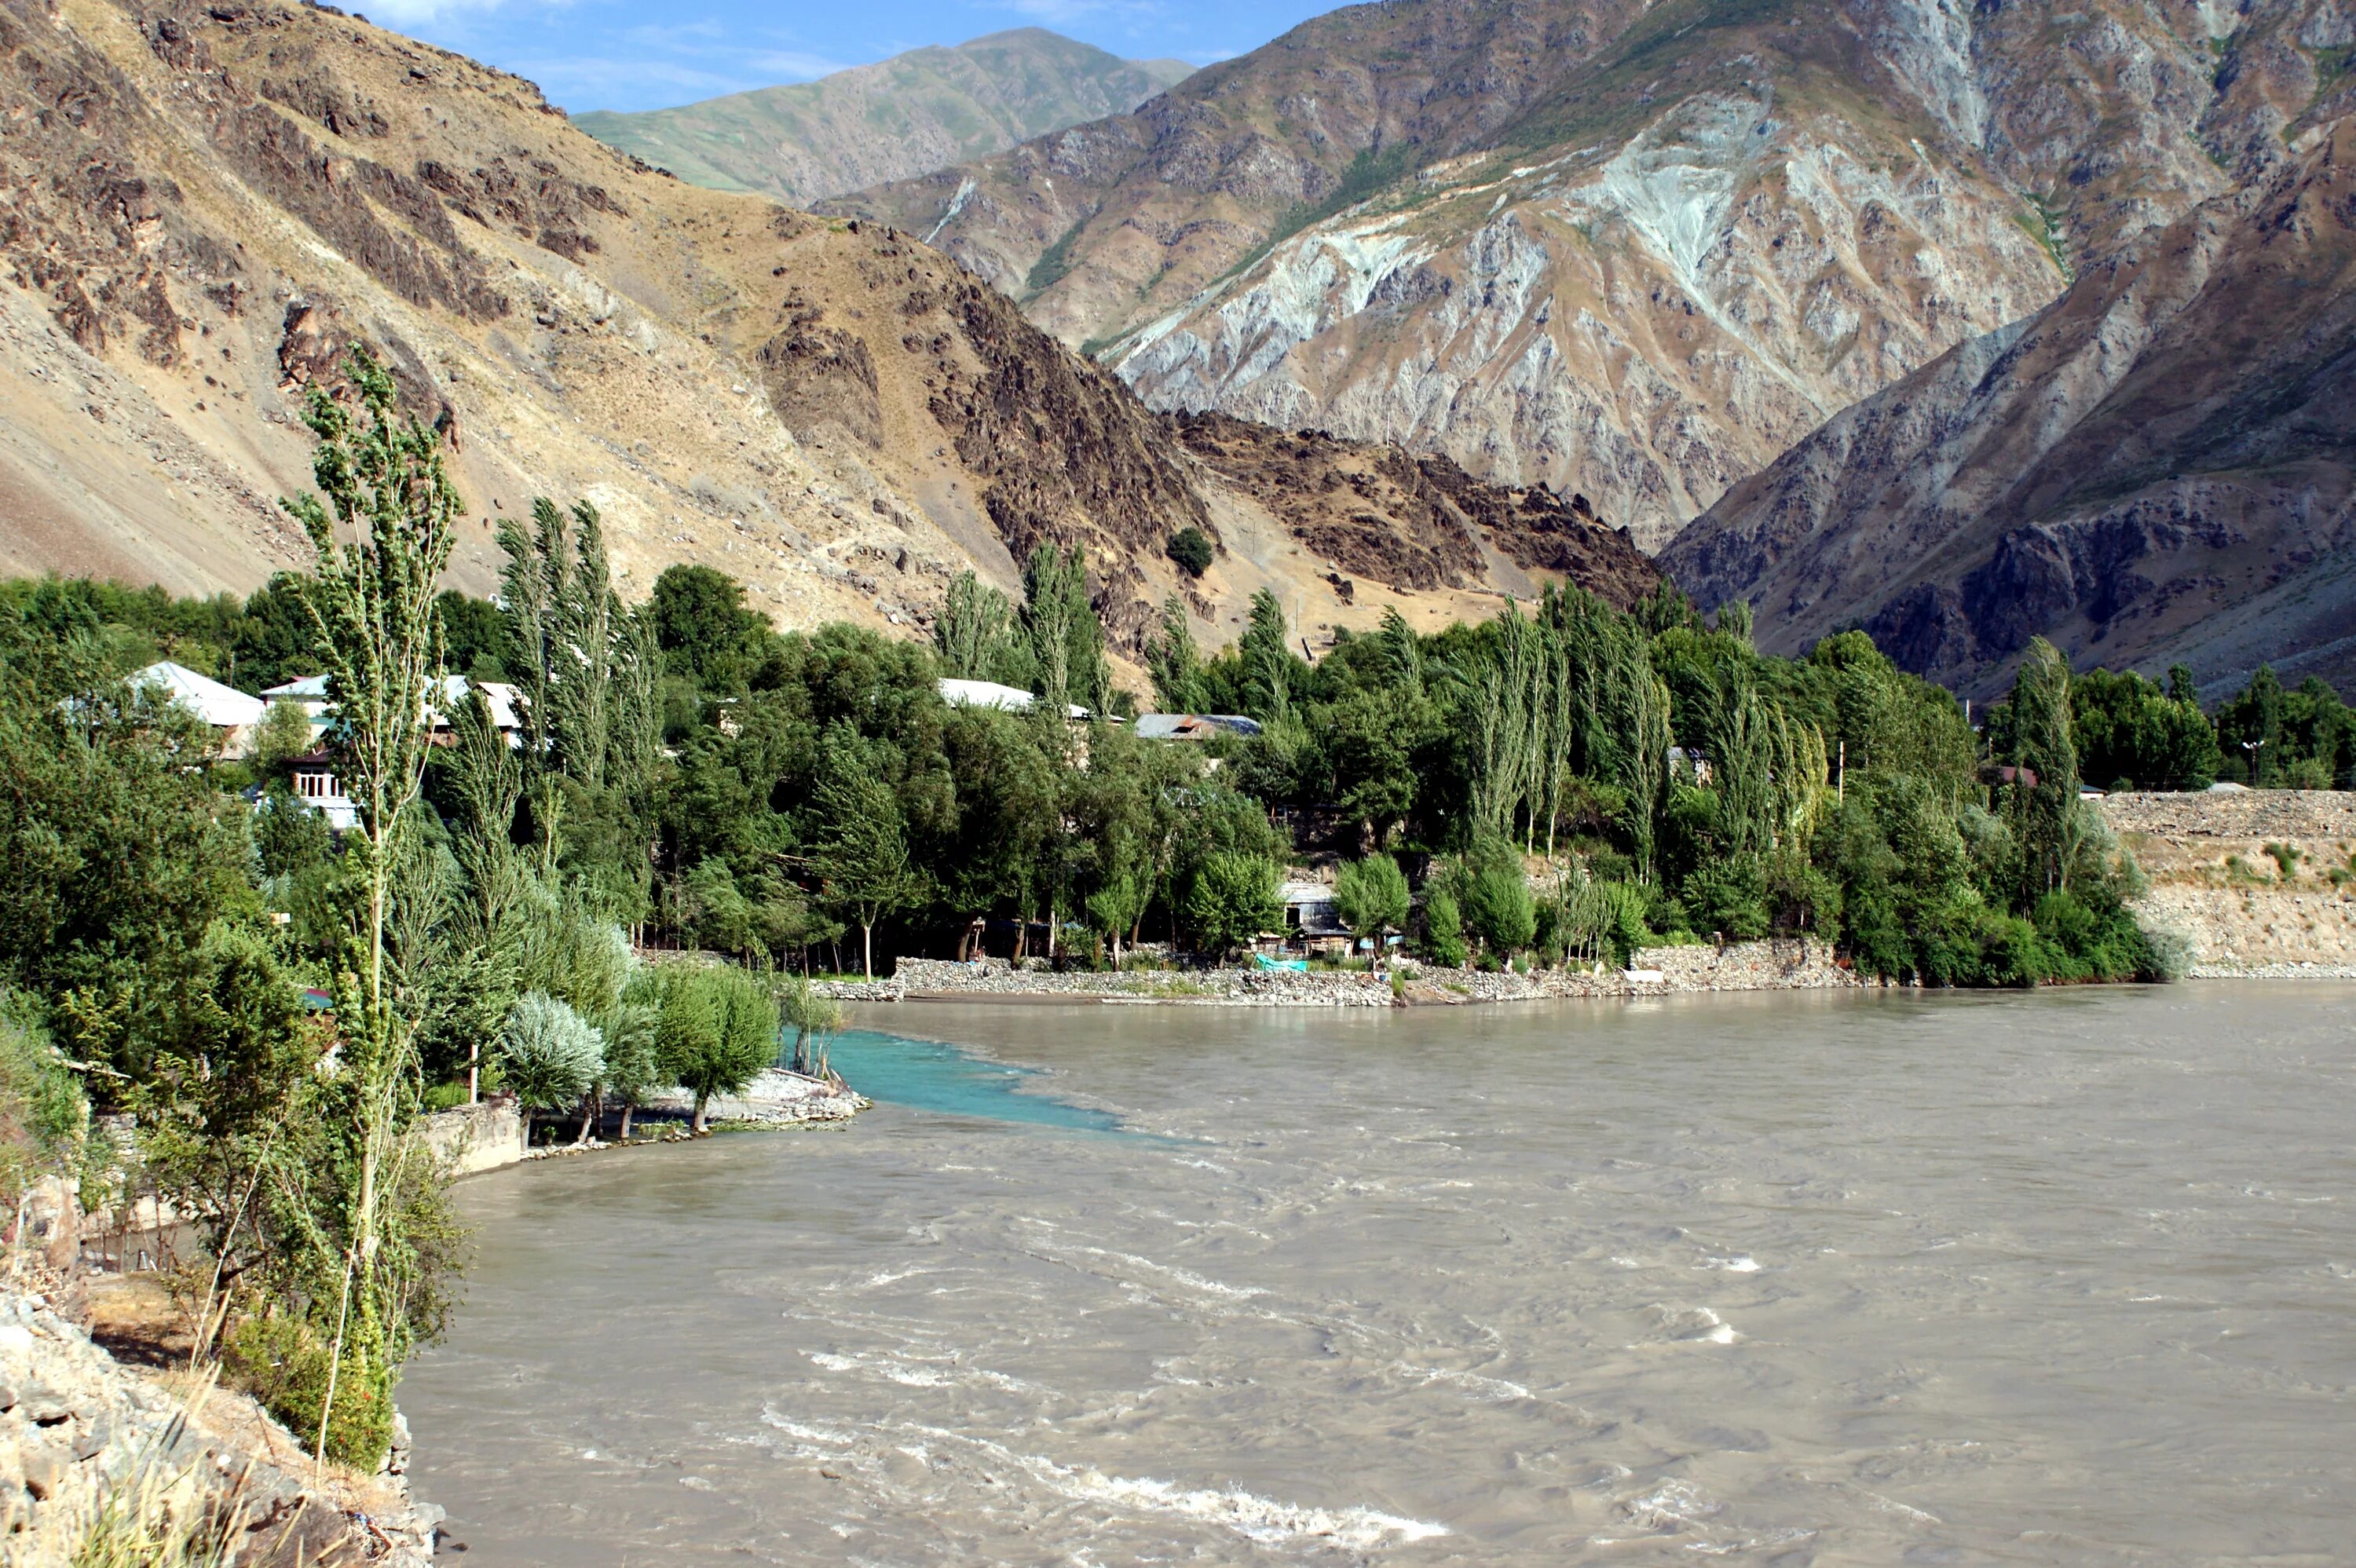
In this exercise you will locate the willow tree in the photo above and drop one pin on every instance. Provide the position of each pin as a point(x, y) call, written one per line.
point(381, 531)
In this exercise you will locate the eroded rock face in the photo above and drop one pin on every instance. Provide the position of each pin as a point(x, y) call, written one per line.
point(2160, 466)
point(1412, 522)
point(1632, 251)
point(76, 1425)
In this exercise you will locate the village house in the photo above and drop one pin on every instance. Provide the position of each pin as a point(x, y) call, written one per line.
point(231, 715)
point(1194, 726)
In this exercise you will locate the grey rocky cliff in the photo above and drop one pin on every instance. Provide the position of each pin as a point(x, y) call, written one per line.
point(1633, 252)
point(2159, 467)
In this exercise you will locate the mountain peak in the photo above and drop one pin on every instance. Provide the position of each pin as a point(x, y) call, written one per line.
point(915, 111)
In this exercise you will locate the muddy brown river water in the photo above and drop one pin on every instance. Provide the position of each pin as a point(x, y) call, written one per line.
point(2056, 1278)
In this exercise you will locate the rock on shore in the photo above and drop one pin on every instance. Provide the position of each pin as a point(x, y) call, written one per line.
point(76, 1425)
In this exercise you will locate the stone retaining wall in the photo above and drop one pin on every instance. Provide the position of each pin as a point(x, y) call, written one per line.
point(471, 1138)
point(2281, 813)
point(1798, 964)
point(2218, 883)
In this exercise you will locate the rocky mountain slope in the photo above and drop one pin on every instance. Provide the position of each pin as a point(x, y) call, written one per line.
point(1631, 249)
point(2160, 466)
point(203, 203)
point(894, 119)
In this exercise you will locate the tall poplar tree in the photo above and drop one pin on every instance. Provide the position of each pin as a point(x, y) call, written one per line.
point(380, 539)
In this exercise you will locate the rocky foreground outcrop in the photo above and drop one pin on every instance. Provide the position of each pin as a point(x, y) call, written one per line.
point(78, 1428)
point(2158, 467)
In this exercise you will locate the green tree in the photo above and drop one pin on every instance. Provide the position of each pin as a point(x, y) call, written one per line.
point(1443, 930)
point(1172, 660)
point(1232, 898)
point(862, 851)
point(1371, 897)
point(1192, 548)
point(706, 634)
point(1495, 897)
point(2039, 738)
point(548, 1053)
point(716, 1029)
point(974, 635)
point(372, 599)
point(1266, 652)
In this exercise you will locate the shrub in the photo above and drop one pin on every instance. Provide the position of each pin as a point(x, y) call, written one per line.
point(283, 1361)
point(1729, 896)
point(1192, 548)
point(1443, 930)
point(548, 1053)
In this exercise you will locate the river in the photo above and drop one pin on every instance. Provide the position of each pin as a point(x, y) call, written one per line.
point(2066, 1277)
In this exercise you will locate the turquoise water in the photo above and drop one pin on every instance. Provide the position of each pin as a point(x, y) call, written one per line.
point(927, 1075)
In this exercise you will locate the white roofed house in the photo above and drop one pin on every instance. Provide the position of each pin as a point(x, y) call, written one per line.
point(230, 713)
point(504, 705)
point(991, 694)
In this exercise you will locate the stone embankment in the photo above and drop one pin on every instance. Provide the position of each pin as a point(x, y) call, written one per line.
point(78, 1428)
point(776, 1099)
point(2260, 884)
point(467, 1139)
point(1798, 964)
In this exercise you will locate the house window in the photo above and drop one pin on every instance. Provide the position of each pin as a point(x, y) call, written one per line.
point(315, 786)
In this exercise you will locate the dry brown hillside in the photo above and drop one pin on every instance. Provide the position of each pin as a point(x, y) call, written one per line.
point(204, 203)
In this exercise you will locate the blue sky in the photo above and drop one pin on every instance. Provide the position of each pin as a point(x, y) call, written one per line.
point(610, 54)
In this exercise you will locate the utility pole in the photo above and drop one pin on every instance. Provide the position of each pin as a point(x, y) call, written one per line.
point(1840, 778)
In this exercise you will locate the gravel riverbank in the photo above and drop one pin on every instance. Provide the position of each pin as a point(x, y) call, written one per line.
point(1796, 965)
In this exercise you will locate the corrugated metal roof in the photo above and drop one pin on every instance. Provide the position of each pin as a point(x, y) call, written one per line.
point(222, 706)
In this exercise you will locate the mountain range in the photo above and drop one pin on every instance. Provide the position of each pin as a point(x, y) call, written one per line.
point(906, 115)
point(205, 204)
point(1642, 251)
point(1963, 326)
point(2158, 467)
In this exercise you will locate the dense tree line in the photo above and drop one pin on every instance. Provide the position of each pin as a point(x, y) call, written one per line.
point(1561, 784)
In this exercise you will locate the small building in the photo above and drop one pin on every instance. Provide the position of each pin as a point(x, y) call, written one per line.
point(1194, 726)
point(1312, 921)
point(318, 789)
point(506, 704)
point(231, 714)
point(991, 694)
point(1691, 760)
